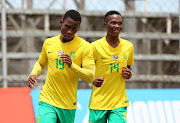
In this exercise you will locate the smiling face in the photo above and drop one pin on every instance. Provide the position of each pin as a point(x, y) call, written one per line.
point(113, 25)
point(69, 27)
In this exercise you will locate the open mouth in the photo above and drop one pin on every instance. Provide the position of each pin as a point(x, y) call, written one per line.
point(116, 30)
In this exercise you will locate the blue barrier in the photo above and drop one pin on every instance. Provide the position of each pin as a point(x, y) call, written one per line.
point(146, 105)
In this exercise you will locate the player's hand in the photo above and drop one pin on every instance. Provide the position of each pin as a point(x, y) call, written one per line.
point(32, 80)
point(66, 59)
point(126, 73)
point(98, 81)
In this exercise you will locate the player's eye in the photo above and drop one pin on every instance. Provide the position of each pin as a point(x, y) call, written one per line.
point(67, 26)
point(120, 23)
point(74, 29)
point(113, 23)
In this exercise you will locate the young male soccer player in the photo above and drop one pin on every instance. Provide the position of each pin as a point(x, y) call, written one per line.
point(113, 57)
point(68, 57)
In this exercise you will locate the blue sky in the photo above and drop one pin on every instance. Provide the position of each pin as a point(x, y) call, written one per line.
point(164, 6)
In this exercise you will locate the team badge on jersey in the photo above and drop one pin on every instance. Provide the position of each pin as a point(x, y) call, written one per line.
point(125, 57)
point(60, 52)
point(115, 57)
point(72, 54)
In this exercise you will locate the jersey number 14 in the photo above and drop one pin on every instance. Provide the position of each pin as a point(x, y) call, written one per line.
point(114, 66)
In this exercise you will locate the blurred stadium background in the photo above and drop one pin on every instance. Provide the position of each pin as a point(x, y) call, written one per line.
point(151, 25)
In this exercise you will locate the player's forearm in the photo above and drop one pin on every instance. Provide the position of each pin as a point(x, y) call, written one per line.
point(87, 73)
point(38, 69)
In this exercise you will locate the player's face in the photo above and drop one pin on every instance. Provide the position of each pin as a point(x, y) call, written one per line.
point(113, 24)
point(68, 28)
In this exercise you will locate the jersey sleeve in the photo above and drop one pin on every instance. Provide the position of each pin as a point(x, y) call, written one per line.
point(38, 69)
point(41, 63)
point(87, 58)
point(43, 60)
point(93, 51)
point(131, 56)
point(86, 73)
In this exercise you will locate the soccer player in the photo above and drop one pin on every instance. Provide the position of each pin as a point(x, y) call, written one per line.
point(113, 57)
point(68, 57)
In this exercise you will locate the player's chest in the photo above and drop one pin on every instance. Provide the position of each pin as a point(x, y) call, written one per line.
point(54, 52)
point(109, 57)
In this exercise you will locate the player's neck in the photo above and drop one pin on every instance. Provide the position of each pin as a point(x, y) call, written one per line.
point(113, 41)
point(64, 40)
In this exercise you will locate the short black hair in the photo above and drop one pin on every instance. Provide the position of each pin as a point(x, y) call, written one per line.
point(73, 14)
point(111, 13)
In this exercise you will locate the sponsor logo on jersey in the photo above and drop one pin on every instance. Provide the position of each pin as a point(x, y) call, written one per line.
point(60, 52)
point(125, 57)
point(50, 51)
point(115, 57)
point(103, 58)
point(72, 54)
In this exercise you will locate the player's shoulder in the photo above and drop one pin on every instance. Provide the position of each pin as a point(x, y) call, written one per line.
point(82, 41)
point(126, 42)
point(52, 39)
point(98, 42)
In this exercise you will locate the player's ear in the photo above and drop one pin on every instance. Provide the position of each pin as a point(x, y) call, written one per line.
point(61, 21)
point(78, 26)
point(105, 24)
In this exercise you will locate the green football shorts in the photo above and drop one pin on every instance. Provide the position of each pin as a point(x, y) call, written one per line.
point(50, 114)
point(111, 116)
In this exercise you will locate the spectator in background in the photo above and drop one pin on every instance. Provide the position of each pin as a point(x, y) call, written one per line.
point(113, 57)
point(68, 57)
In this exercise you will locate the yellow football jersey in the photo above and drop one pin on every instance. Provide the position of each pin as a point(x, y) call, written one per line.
point(109, 63)
point(60, 87)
